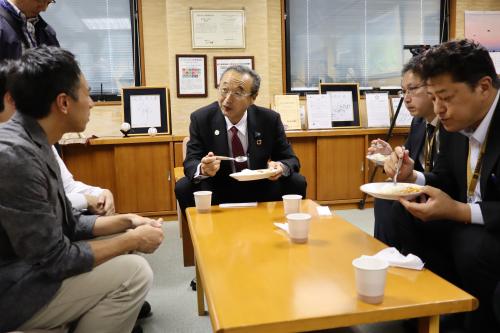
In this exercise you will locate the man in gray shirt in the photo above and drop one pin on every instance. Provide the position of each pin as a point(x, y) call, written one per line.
point(51, 271)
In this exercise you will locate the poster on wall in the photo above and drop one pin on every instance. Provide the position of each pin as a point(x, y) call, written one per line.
point(484, 28)
point(222, 63)
point(191, 75)
point(218, 29)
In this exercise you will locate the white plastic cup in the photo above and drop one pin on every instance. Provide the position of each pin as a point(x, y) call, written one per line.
point(291, 203)
point(203, 201)
point(298, 227)
point(371, 275)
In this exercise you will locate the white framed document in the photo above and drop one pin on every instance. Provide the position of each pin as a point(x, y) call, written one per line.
point(377, 109)
point(288, 107)
point(223, 29)
point(223, 63)
point(146, 107)
point(191, 70)
point(404, 117)
point(342, 106)
point(319, 115)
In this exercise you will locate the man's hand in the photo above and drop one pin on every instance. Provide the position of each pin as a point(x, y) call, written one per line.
point(137, 221)
point(148, 238)
point(439, 206)
point(276, 166)
point(107, 202)
point(406, 173)
point(379, 146)
point(209, 165)
point(101, 205)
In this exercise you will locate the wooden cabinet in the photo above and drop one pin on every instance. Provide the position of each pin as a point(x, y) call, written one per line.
point(340, 168)
point(139, 171)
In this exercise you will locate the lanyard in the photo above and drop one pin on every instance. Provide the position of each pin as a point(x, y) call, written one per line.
point(472, 178)
point(429, 149)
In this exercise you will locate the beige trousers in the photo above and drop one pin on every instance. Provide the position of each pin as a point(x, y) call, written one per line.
point(105, 300)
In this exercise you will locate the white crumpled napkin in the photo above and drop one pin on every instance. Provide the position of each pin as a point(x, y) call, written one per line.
point(282, 226)
point(396, 259)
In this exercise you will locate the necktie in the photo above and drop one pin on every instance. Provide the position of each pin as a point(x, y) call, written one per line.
point(430, 131)
point(237, 148)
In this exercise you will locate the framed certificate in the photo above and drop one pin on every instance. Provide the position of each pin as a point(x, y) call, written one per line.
point(146, 107)
point(191, 75)
point(222, 63)
point(223, 29)
point(344, 101)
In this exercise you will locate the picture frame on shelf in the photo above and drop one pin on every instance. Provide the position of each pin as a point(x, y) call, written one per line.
point(345, 103)
point(191, 75)
point(145, 108)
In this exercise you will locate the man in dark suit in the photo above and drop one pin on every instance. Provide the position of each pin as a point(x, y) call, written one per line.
point(456, 231)
point(421, 142)
point(234, 126)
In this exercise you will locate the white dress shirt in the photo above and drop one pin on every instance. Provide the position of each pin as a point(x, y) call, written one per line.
point(75, 190)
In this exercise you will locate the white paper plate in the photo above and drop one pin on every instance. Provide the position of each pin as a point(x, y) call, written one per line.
point(378, 159)
point(248, 175)
point(382, 190)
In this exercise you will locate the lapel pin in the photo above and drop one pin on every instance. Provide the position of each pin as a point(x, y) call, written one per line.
point(258, 139)
point(216, 132)
point(259, 142)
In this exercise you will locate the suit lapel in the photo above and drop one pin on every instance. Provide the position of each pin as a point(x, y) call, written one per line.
point(251, 129)
point(219, 132)
point(419, 140)
point(492, 152)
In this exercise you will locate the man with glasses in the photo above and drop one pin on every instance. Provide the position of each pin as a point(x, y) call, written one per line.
point(456, 229)
point(234, 126)
point(422, 142)
point(22, 27)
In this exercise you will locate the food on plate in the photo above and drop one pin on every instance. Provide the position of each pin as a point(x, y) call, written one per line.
point(400, 189)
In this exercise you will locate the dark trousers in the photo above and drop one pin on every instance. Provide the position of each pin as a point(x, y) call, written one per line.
point(230, 190)
point(465, 255)
point(384, 229)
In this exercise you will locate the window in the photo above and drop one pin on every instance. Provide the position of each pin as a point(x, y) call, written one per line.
point(355, 40)
point(103, 36)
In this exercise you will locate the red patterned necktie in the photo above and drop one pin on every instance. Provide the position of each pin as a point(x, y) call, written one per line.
point(237, 148)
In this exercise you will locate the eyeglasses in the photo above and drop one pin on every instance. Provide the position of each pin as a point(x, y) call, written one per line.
point(224, 92)
point(411, 91)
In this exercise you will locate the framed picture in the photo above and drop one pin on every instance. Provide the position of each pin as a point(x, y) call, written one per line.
point(344, 101)
point(223, 29)
point(222, 63)
point(191, 75)
point(146, 107)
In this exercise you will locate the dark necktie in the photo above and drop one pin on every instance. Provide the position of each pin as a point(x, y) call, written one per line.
point(430, 143)
point(237, 148)
point(430, 131)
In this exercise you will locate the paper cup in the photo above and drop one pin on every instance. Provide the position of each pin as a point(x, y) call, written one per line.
point(203, 201)
point(298, 227)
point(291, 203)
point(370, 279)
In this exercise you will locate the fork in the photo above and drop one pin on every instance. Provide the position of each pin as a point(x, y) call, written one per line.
point(398, 166)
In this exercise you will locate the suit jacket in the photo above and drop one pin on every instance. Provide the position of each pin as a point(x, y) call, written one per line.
point(11, 42)
point(40, 238)
point(266, 140)
point(450, 171)
point(415, 141)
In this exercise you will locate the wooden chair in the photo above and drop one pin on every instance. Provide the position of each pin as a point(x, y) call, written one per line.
point(187, 245)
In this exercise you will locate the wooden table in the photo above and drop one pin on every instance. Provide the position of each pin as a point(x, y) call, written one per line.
point(255, 280)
